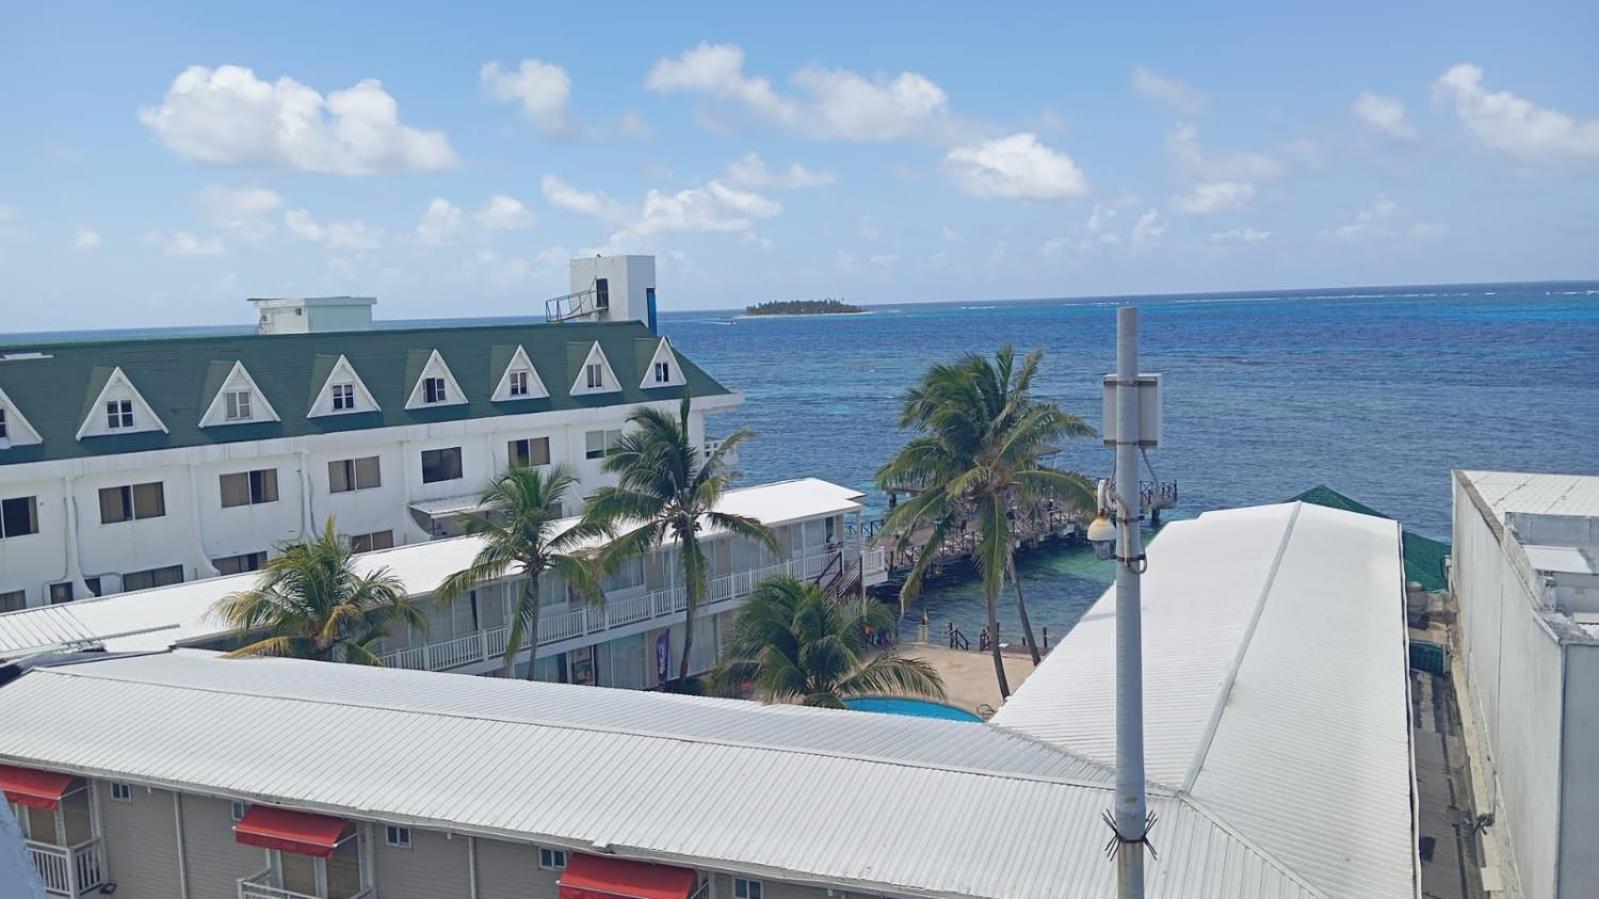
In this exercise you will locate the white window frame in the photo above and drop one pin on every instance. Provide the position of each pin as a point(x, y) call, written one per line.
point(518, 384)
point(745, 888)
point(609, 439)
point(121, 792)
point(238, 809)
point(663, 372)
point(343, 394)
point(397, 835)
point(2, 424)
point(119, 415)
point(594, 375)
point(551, 859)
point(435, 390)
point(236, 405)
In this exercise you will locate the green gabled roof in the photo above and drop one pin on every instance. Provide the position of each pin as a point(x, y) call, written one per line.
point(179, 376)
point(1424, 556)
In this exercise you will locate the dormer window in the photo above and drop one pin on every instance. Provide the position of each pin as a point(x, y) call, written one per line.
point(663, 373)
point(119, 414)
point(595, 375)
point(343, 397)
point(3, 435)
point(433, 391)
point(238, 405)
point(518, 383)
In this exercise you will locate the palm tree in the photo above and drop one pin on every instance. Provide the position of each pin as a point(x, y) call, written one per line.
point(312, 604)
point(796, 645)
point(977, 455)
point(667, 489)
point(518, 535)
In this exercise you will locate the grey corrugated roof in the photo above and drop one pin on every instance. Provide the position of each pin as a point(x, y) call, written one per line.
point(179, 377)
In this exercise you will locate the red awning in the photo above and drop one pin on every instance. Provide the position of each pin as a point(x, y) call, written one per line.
point(40, 789)
point(602, 877)
point(289, 831)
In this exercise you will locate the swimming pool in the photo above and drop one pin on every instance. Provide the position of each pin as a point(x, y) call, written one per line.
point(920, 708)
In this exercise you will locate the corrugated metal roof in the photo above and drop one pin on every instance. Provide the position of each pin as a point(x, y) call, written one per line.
point(1275, 688)
point(1542, 494)
point(181, 613)
point(853, 799)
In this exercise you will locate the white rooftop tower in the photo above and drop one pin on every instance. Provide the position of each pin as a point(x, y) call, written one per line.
point(608, 289)
point(303, 315)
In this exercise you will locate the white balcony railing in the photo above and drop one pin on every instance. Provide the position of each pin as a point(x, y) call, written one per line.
point(554, 627)
point(265, 885)
point(876, 560)
point(69, 871)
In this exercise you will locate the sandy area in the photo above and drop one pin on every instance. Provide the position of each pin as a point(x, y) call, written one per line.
point(969, 676)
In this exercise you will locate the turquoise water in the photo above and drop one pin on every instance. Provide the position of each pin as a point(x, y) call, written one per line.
point(917, 708)
point(1376, 393)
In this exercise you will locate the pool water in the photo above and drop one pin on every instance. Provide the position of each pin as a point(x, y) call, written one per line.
point(918, 708)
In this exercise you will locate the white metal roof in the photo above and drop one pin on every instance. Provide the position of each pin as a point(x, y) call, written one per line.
point(1541, 494)
point(906, 806)
point(180, 614)
point(1276, 688)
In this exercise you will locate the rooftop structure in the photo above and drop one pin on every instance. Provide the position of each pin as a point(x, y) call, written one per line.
point(285, 315)
point(1257, 791)
point(1526, 578)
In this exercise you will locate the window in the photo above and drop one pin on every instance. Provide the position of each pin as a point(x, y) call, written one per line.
point(93, 583)
point(240, 563)
point(343, 397)
point(121, 792)
point(3, 423)
point(598, 444)
point(433, 390)
point(60, 593)
point(14, 601)
point(663, 373)
point(595, 374)
point(552, 859)
point(239, 808)
point(118, 504)
point(441, 465)
point(238, 405)
point(18, 516)
point(602, 293)
point(746, 889)
point(119, 414)
point(518, 382)
point(362, 543)
point(399, 836)
point(249, 488)
point(345, 475)
point(528, 453)
point(153, 577)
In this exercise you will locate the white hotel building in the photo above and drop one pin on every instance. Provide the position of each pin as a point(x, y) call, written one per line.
point(129, 464)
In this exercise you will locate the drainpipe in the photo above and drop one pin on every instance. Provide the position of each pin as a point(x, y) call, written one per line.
point(307, 514)
point(204, 569)
point(471, 867)
point(183, 861)
point(71, 571)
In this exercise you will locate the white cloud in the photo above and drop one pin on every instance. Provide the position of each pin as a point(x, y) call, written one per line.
point(1517, 127)
point(830, 103)
point(1055, 246)
point(1214, 196)
point(442, 223)
point(9, 227)
point(884, 260)
point(1018, 167)
point(227, 116)
point(502, 213)
point(353, 234)
point(240, 211)
point(186, 243)
point(501, 272)
point(1385, 114)
point(1183, 144)
point(1148, 231)
point(632, 125)
point(85, 238)
point(868, 229)
point(1238, 236)
point(1384, 221)
point(593, 203)
point(744, 202)
point(951, 235)
point(716, 209)
point(750, 171)
point(543, 89)
point(1175, 95)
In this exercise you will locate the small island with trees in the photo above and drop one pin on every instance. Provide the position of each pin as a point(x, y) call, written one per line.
point(828, 306)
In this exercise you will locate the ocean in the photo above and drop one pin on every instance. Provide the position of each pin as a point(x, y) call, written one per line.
point(1376, 393)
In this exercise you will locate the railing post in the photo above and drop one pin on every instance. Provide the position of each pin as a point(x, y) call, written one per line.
point(427, 656)
point(483, 645)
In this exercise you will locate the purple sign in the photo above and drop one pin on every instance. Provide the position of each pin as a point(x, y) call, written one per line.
point(663, 656)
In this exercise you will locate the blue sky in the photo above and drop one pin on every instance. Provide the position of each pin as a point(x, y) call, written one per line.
point(161, 163)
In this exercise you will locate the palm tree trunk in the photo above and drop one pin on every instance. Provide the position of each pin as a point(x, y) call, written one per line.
point(1021, 611)
point(694, 582)
point(531, 591)
point(993, 646)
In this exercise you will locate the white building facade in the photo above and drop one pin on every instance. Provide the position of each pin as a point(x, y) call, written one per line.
point(1525, 573)
point(132, 464)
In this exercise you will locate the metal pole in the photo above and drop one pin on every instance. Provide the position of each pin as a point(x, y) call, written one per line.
point(1130, 799)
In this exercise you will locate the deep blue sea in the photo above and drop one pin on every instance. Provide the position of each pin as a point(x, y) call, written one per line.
point(1376, 393)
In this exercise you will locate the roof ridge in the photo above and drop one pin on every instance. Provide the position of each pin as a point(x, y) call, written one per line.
point(1265, 854)
point(1203, 749)
point(83, 671)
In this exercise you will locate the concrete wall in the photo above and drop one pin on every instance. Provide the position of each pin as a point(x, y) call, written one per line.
point(1579, 775)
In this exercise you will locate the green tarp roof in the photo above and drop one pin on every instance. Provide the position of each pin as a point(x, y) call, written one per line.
point(1424, 556)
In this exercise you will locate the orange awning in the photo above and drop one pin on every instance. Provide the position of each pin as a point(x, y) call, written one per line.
point(40, 789)
point(289, 831)
point(602, 877)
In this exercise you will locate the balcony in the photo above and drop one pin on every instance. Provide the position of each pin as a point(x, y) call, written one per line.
point(665, 605)
point(267, 885)
point(69, 871)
